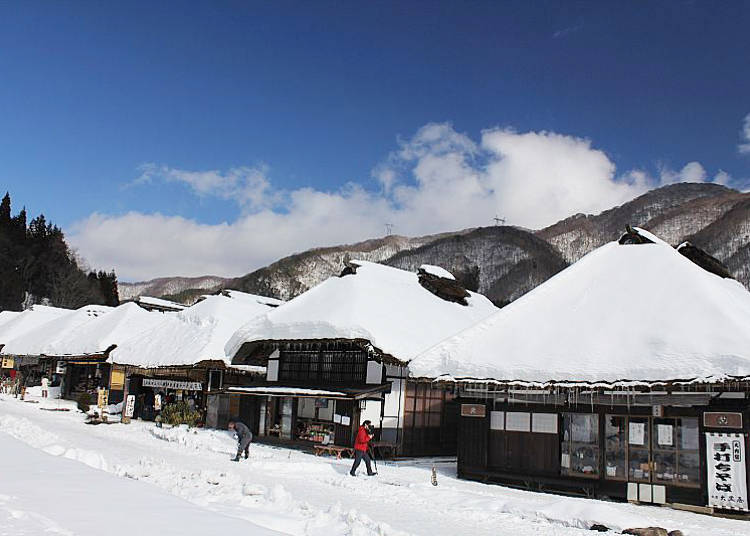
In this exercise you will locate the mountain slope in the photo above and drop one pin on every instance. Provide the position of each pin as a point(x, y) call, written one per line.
point(673, 212)
point(168, 286)
point(728, 239)
point(293, 275)
point(502, 263)
point(505, 262)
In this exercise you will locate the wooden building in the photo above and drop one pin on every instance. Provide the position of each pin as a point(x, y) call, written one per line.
point(626, 376)
point(338, 355)
point(42, 340)
point(182, 356)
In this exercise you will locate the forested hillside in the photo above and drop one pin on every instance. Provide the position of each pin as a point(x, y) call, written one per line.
point(37, 266)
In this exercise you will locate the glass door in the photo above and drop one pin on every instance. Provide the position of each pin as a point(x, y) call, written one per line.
point(639, 449)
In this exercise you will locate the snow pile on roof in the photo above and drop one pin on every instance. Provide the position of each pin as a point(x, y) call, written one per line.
point(437, 271)
point(384, 305)
point(159, 302)
point(29, 320)
point(194, 334)
point(48, 336)
point(263, 300)
point(623, 312)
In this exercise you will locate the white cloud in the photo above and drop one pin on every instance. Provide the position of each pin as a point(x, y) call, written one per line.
point(693, 172)
point(248, 186)
point(744, 146)
point(438, 180)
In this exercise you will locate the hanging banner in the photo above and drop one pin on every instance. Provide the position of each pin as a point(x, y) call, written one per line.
point(725, 463)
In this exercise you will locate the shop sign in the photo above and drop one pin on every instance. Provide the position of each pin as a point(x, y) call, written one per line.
point(716, 419)
point(60, 367)
point(157, 402)
point(725, 463)
point(8, 362)
point(130, 406)
point(473, 410)
point(103, 398)
point(173, 384)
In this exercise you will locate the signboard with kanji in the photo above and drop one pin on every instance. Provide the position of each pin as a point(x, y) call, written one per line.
point(103, 398)
point(8, 362)
point(727, 479)
point(130, 406)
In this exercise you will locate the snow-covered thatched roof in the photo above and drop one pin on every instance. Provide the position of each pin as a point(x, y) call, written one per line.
point(18, 324)
point(197, 333)
point(623, 312)
point(385, 306)
point(7, 316)
point(48, 329)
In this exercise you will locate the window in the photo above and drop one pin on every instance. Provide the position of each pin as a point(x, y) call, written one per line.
point(327, 362)
point(615, 454)
point(580, 445)
point(652, 449)
point(424, 405)
point(517, 421)
point(675, 451)
point(639, 466)
point(688, 459)
point(544, 423)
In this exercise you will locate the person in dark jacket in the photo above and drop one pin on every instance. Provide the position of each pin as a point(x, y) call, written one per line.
point(244, 438)
point(361, 447)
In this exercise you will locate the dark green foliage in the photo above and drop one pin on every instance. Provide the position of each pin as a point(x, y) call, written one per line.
point(180, 413)
point(84, 401)
point(36, 265)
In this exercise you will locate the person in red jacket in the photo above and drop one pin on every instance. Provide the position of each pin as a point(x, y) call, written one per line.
point(361, 447)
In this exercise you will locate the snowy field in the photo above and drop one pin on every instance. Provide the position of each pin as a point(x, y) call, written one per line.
point(61, 476)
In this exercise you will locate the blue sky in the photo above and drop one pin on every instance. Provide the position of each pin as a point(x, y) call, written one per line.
point(227, 121)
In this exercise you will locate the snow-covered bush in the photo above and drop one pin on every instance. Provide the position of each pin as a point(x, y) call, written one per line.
point(180, 413)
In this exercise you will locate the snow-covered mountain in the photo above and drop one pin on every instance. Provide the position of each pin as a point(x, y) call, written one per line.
point(713, 217)
point(169, 286)
point(502, 263)
point(506, 262)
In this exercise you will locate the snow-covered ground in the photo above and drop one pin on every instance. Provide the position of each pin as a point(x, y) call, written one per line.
point(52, 459)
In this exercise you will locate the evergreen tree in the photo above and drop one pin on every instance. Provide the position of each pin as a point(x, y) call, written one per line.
point(36, 264)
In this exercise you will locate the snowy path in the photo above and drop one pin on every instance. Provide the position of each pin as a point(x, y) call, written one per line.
point(296, 493)
point(44, 494)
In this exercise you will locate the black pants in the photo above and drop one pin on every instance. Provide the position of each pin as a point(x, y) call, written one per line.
point(244, 446)
point(360, 455)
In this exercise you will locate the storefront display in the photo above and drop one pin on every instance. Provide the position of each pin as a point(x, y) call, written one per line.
point(317, 432)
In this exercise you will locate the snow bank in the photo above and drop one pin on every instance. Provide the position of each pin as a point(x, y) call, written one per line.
point(291, 491)
point(381, 304)
point(623, 312)
point(44, 494)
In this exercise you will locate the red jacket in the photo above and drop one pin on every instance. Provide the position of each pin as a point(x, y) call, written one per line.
point(363, 438)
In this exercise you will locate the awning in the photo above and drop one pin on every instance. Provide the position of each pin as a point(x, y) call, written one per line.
point(304, 392)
